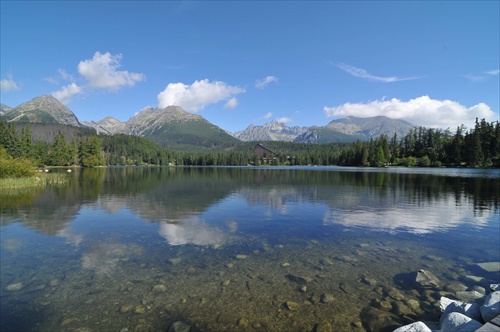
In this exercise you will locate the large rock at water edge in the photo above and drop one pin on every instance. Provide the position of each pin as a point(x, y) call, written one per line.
point(457, 322)
point(414, 327)
point(469, 309)
point(491, 307)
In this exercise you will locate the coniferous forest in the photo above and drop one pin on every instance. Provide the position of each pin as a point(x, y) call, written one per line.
point(422, 147)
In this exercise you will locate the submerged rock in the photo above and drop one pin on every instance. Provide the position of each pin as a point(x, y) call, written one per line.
point(298, 279)
point(292, 306)
point(14, 287)
point(469, 296)
point(427, 279)
point(179, 327)
point(490, 266)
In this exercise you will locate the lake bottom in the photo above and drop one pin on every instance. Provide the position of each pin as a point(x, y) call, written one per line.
point(341, 280)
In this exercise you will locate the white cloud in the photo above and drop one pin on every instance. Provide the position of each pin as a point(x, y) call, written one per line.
point(102, 72)
point(421, 111)
point(66, 93)
point(284, 120)
point(261, 84)
point(268, 115)
point(196, 96)
point(484, 76)
point(231, 103)
point(8, 84)
point(362, 73)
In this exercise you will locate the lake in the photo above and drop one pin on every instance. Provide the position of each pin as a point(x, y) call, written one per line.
point(245, 248)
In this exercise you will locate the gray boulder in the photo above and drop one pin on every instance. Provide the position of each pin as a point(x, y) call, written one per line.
point(491, 307)
point(469, 309)
point(414, 327)
point(457, 322)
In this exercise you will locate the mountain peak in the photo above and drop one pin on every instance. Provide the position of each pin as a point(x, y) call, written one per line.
point(46, 109)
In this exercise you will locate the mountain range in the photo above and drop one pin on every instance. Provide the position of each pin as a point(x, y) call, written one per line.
point(173, 127)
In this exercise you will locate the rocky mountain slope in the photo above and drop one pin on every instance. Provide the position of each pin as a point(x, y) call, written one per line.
point(44, 109)
point(353, 128)
point(271, 131)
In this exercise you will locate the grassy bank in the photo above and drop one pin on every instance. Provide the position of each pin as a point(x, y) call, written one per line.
point(38, 181)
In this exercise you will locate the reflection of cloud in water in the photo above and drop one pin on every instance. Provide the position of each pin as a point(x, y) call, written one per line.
point(193, 231)
point(439, 215)
point(104, 258)
point(74, 239)
point(11, 244)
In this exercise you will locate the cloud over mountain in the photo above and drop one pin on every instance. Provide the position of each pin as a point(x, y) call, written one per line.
point(198, 95)
point(421, 111)
point(8, 84)
point(102, 72)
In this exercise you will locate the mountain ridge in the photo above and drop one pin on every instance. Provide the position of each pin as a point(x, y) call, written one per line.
point(173, 127)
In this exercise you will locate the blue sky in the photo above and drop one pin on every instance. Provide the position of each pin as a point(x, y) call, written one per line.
point(237, 63)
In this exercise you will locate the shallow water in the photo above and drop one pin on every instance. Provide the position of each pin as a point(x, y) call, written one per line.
point(245, 249)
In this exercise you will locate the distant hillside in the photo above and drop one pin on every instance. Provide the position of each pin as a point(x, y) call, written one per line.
point(271, 131)
point(353, 128)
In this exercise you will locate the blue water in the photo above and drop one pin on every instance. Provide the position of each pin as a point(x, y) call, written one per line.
point(125, 249)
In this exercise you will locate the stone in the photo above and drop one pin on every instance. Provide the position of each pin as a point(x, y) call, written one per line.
point(457, 322)
point(126, 308)
point(414, 327)
point(469, 296)
point(140, 310)
point(54, 282)
point(229, 265)
point(402, 309)
point(490, 266)
point(179, 327)
point(226, 283)
point(479, 289)
point(474, 278)
point(241, 257)
point(292, 306)
point(243, 322)
point(159, 289)
point(455, 287)
point(327, 298)
point(414, 305)
point(495, 287)
point(491, 307)
point(326, 261)
point(427, 279)
point(368, 281)
point(299, 279)
point(469, 309)
point(285, 264)
point(323, 326)
point(14, 287)
point(175, 261)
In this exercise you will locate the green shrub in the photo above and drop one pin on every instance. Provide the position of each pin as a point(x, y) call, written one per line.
point(14, 168)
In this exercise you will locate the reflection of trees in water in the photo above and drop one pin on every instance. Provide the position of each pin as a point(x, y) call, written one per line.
point(177, 193)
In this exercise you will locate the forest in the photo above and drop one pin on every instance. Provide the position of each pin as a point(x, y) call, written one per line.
point(421, 147)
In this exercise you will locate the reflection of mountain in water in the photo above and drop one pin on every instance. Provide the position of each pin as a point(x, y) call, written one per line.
point(177, 197)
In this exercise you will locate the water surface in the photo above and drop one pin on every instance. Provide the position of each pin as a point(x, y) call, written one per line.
point(244, 249)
